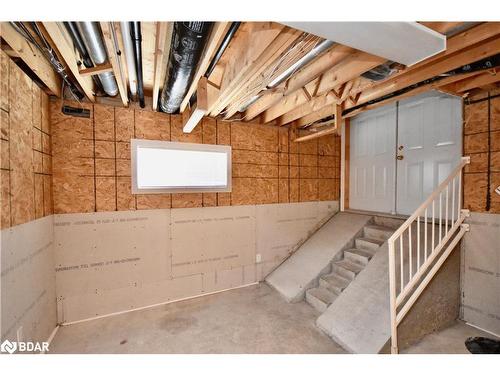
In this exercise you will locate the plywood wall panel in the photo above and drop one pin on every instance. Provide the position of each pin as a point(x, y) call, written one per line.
point(476, 138)
point(124, 124)
point(125, 200)
point(104, 122)
point(21, 154)
point(4, 124)
point(39, 209)
point(178, 135)
point(262, 162)
point(4, 81)
point(153, 201)
point(36, 93)
point(5, 217)
point(23, 160)
point(187, 200)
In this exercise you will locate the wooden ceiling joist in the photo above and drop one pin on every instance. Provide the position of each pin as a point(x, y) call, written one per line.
point(162, 50)
point(117, 62)
point(345, 71)
point(483, 79)
point(95, 70)
point(437, 85)
point(219, 30)
point(321, 133)
point(469, 55)
point(247, 53)
point(32, 57)
point(57, 35)
point(283, 41)
point(300, 79)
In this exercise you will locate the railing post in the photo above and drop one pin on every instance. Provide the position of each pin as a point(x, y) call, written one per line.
point(392, 287)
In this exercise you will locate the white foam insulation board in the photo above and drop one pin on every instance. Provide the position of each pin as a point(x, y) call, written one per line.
point(404, 42)
point(28, 299)
point(481, 272)
point(109, 262)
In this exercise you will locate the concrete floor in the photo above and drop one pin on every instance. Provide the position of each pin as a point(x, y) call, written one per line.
point(254, 319)
point(448, 341)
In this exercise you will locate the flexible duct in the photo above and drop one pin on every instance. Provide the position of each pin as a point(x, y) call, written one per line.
point(188, 42)
point(135, 34)
point(128, 47)
point(91, 34)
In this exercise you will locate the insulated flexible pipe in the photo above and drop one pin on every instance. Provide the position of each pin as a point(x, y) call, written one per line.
point(91, 34)
point(128, 46)
point(188, 42)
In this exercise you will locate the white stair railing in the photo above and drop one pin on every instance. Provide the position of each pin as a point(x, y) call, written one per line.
point(433, 224)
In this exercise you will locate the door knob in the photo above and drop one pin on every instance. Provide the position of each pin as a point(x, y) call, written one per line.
point(400, 157)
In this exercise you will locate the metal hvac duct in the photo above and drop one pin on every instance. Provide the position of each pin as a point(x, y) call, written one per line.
point(188, 43)
point(135, 35)
point(91, 34)
point(128, 46)
point(303, 61)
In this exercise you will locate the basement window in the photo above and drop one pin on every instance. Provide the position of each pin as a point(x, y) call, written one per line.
point(176, 167)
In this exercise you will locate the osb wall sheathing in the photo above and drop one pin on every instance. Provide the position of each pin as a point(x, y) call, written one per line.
point(92, 161)
point(25, 157)
point(476, 146)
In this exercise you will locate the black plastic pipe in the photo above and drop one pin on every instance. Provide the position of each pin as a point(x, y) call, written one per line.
point(188, 42)
point(225, 42)
point(73, 31)
point(135, 34)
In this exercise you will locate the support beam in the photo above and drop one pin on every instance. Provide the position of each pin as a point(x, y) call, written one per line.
point(480, 80)
point(32, 57)
point(319, 134)
point(95, 70)
point(162, 50)
point(419, 90)
point(312, 106)
point(207, 94)
point(57, 35)
point(117, 61)
point(466, 47)
point(218, 32)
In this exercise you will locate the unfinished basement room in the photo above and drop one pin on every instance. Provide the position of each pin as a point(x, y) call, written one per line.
point(249, 187)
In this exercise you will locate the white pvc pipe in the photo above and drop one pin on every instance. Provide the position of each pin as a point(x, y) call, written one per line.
point(129, 56)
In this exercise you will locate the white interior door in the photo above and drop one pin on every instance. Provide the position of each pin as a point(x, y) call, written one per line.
point(429, 146)
point(372, 160)
point(401, 152)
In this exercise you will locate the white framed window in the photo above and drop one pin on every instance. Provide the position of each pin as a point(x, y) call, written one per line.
point(176, 167)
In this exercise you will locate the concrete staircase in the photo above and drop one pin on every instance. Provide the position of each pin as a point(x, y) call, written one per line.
point(345, 270)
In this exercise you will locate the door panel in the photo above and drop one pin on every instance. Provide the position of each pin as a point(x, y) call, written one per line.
point(429, 139)
point(372, 161)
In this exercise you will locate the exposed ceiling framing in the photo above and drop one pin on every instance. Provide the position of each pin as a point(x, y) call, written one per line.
point(330, 86)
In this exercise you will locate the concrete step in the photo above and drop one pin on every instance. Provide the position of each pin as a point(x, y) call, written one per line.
point(358, 255)
point(390, 222)
point(378, 232)
point(347, 268)
point(320, 298)
point(365, 243)
point(334, 282)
